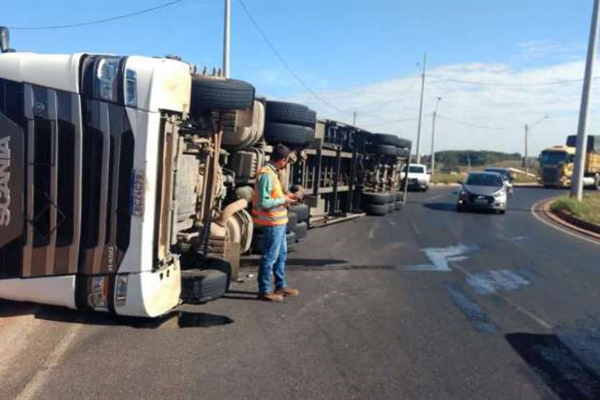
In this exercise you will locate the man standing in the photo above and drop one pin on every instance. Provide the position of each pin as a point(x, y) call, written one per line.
point(269, 211)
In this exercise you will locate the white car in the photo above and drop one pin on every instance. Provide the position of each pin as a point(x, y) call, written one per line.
point(418, 177)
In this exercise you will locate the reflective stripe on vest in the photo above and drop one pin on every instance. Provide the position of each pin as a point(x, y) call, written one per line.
point(276, 215)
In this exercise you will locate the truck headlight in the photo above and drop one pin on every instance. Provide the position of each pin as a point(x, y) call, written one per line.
point(106, 78)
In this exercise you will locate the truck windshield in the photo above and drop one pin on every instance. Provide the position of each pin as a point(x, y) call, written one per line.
point(554, 157)
point(484, 180)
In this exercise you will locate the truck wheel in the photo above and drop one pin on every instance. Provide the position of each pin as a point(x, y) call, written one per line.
point(376, 209)
point(301, 230)
point(383, 150)
point(375, 198)
point(385, 139)
point(404, 143)
point(219, 94)
point(276, 132)
point(301, 210)
point(292, 222)
point(402, 153)
point(291, 240)
point(201, 286)
point(290, 113)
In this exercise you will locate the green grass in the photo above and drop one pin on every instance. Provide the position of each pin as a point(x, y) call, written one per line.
point(588, 209)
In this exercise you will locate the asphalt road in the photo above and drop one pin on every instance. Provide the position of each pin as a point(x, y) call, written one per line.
point(425, 303)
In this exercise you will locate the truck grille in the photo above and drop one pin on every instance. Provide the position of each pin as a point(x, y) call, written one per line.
point(76, 184)
point(550, 175)
point(108, 146)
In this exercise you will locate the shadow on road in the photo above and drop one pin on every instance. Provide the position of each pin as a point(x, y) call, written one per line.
point(297, 262)
point(557, 365)
point(174, 319)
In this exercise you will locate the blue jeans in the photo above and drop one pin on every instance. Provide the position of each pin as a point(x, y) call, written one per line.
point(273, 258)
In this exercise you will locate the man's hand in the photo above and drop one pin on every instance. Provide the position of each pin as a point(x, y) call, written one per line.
point(291, 198)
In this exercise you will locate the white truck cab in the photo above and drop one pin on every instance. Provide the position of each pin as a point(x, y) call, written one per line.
point(108, 162)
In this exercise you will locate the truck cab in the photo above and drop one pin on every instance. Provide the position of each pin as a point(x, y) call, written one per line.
point(107, 163)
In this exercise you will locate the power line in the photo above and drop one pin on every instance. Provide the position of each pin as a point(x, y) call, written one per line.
point(99, 21)
point(447, 79)
point(397, 120)
point(494, 128)
point(285, 64)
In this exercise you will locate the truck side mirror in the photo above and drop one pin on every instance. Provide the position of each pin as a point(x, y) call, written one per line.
point(4, 39)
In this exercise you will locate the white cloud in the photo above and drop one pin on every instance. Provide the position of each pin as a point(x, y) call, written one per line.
point(494, 115)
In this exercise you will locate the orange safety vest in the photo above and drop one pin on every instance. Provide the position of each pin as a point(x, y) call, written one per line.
point(273, 216)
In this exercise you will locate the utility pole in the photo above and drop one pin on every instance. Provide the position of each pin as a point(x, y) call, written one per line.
point(577, 180)
point(354, 120)
point(525, 163)
point(433, 136)
point(226, 40)
point(421, 109)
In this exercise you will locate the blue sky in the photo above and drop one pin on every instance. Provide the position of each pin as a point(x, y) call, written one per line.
point(360, 55)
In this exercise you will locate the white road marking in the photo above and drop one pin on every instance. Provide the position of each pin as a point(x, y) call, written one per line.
point(490, 282)
point(43, 374)
point(558, 228)
point(520, 309)
point(440, 257)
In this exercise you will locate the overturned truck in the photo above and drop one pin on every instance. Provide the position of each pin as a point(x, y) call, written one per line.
point(127, 181)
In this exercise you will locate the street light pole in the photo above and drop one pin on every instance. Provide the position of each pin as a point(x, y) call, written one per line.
point(577, 180)
point(421, 109)
point(226, 38)
point(526, 155)
point(527, 130)
point(433, 136)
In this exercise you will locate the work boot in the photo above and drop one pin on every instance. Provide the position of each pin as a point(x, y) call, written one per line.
point(270, 297)
point(287, 292)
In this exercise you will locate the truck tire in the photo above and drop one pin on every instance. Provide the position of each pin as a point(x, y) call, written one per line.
point(201, 286)
point(391, 197)
point(402, 153)
point(292, 222)
point(404, 143)
point(375, 198)
point(301, 210)
point(291, 240)
point(376, 209)
point(301, 230)
point(385, 139)
point(383, 150)
point(290, 113)
point(219, 94)
point(276, 132)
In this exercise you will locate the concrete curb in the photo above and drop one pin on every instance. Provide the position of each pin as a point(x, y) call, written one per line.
point(570, 221)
